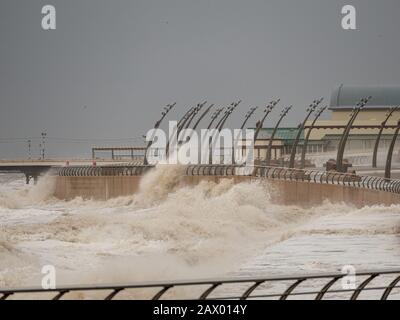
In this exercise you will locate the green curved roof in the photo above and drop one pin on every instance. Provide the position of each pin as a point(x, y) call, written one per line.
point(345, 97)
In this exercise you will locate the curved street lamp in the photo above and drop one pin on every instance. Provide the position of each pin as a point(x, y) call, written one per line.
point(304, 150)
point(342, 144)
point(310, 109)
point(195, 112)
point(179, 127)
point(283, 114)
point(202, 116)
point(248, 116)
point(388, 167)
point(378, 138)
point(268, 109)
point(246, 119)
point(214, 116)
point(164, 113)
point(227, 114)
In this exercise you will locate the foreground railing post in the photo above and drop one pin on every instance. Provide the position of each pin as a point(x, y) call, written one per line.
point(310, 110)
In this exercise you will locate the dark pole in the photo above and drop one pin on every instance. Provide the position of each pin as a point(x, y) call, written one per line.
point(202, 116)
point(227, 114)
point(269, 150)
point(246, 118)
point(339, 158)
point(378, 138)
point(304, 150)
point(388, 166)
point(196, 111)
point(221, 123)
point(184, 116)
point(29, 149)
point(214, 116)
point(310, 109)
point(179, 126)
point(268, 109)
point(164, 113)
point(44, 134)
point(184, 120)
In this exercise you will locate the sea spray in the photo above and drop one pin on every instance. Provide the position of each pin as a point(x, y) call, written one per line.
point(178, 231)
point(27, 195)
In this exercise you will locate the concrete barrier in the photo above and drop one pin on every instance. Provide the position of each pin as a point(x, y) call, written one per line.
point(300, 193)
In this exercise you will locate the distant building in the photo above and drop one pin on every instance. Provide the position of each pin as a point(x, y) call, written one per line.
point(341, 104)
point(343, 100)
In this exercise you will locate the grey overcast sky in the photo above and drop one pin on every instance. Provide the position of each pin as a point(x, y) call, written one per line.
point(103, 75)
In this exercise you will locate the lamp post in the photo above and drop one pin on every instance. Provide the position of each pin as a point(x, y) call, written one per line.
point(388, 167)
point(283, 114)
point(202, 116)
point(342, 144)
point(29, 149)
point(214, 116)
point(310, 109)
point(227, 114)
point(43, 134)
point(268, 109)
point(221, 124)
point(304, 150)
point(378, 138)
point(246, 119)
point(164, 113)
point(196, 110)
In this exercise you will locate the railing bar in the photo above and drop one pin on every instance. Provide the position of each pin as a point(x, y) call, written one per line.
point(301, 293)
point(291, 288)
point(113, 294)
point(199, 282)
point(390, 288)
point(248, 292)
point(325, 289)
point(206, 293)
point(6, 295)
point(60, 294)
point(161, 292)
point(362, 286)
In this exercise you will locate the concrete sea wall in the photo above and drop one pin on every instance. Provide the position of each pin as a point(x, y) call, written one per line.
point(283, 192)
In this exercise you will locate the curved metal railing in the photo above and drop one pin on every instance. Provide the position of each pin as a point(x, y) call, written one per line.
point(379, 283)
point(287, 174)
point(279, 173)
point(114, 170)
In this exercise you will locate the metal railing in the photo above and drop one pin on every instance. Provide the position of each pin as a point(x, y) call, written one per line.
point(133, 169)
point(279, 173)
point(278, 287)
point(288, 174)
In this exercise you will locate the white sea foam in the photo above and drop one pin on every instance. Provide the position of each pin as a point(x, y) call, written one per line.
point(166, 231)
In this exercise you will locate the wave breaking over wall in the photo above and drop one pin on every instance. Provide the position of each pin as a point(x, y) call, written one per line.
point(166, 231)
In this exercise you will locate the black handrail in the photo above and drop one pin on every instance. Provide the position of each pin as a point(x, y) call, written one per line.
point(246, 287)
